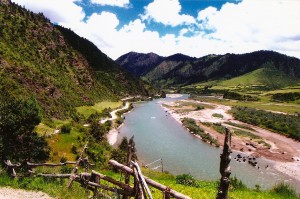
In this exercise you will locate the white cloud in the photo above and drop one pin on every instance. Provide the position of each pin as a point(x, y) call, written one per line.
point(236, 28)
point(119, 3)
point(58, 11)
point(166, 12)
point(254, 24)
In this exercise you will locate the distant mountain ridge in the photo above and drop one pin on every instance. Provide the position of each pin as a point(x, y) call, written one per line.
point(56, 66)
point(184, 70)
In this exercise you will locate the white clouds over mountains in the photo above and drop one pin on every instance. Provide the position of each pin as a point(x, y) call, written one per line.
point(167, 12)
point(235, 28)
point(119, 3)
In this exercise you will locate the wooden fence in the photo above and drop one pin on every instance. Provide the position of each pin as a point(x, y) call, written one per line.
point(138, 188)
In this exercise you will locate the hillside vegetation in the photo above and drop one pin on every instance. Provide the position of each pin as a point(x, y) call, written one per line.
point(177, 70)
point(56, 66)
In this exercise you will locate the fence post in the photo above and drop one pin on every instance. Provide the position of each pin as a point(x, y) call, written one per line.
point(225, 169)
point(74, 171)
point(130, 151)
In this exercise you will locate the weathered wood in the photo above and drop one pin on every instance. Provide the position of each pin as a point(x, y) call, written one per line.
point(9, 164)
point(138, 189)
point(225, 169)
point(54, 175)
point(162, 187)
point(113, 181)
point(11, 168)
point(49, 164)
point(120, 166)
point(130, 151)
point(141, 177)
point(112, 189)
point(74, 171)
point(148, 180)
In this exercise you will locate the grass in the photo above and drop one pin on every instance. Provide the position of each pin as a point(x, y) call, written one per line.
point(86, 111)
point(44, 130)
point(61, 145)
point(204, 189)
point(218, 115)
point(268, 106)
point(197, 130)
point(239, 126)
point(242, 133)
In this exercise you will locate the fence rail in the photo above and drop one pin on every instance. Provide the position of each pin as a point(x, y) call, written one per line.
point(139, 190)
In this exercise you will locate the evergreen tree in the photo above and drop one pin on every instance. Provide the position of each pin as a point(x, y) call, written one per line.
point(18, 140)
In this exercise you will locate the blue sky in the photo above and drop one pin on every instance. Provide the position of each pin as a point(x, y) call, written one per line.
point(191, 27)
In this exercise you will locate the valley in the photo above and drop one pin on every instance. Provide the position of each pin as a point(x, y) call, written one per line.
point(59, 91)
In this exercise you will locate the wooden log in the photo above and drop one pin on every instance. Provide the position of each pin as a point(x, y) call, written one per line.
point(9, 164)
point(49, 164)
point(141, 177)
point(148, 180)
point(162, 187)
point(120, 166)
point(130, 151)
point(138, 189)
point(74, 171)
point(112, 189)
point(54, 175)
point(113, 181)
point(11, 168)
point(225, 169)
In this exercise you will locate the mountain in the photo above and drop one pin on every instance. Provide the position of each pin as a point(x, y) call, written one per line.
point(139, 63)
point(56, 66)
point(183, 70)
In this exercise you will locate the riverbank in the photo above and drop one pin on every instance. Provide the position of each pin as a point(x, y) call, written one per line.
point(283, 151)
point(112, 135)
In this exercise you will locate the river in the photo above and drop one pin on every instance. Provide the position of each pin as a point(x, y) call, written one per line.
point(157, 135)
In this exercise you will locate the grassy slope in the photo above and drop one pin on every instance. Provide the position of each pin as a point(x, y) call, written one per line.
point(263, 78)
point(262, 83)
point(98, 107)
point(206, 189)
point(57, 67)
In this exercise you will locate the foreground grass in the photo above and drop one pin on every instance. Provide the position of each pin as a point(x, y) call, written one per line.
point(86, 111)
point(205, 189)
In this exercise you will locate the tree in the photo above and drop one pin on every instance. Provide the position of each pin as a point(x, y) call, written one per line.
point(18, 140)
point(97, 131)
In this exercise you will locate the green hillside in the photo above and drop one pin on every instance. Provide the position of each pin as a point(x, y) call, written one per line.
point(261, 79)
point(56, 66)
point(267, 77)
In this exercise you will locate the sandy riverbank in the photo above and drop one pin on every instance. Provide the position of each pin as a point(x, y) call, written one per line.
point(284, 151)
point(112, 135)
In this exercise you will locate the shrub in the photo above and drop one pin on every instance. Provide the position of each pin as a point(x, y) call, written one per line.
point(235, 183)
point(285, 190)
point(186, 179)
point(66, 128)
point(217, 115)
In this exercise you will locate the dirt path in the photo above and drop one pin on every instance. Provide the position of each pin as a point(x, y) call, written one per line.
point(112, 135)
point(113, 113)
point(10, 193)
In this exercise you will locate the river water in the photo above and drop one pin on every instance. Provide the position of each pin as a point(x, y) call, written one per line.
point(157, 135)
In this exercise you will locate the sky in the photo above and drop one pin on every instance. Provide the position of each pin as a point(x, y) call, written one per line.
point(191, 27)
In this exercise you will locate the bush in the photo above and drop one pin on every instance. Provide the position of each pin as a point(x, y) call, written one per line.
point(218, 115)
point(236, 183)
point(285, 190)
point(284, 124)
point(186, 179)
point(66, 128)
point(237, 96)
point(195, 129)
